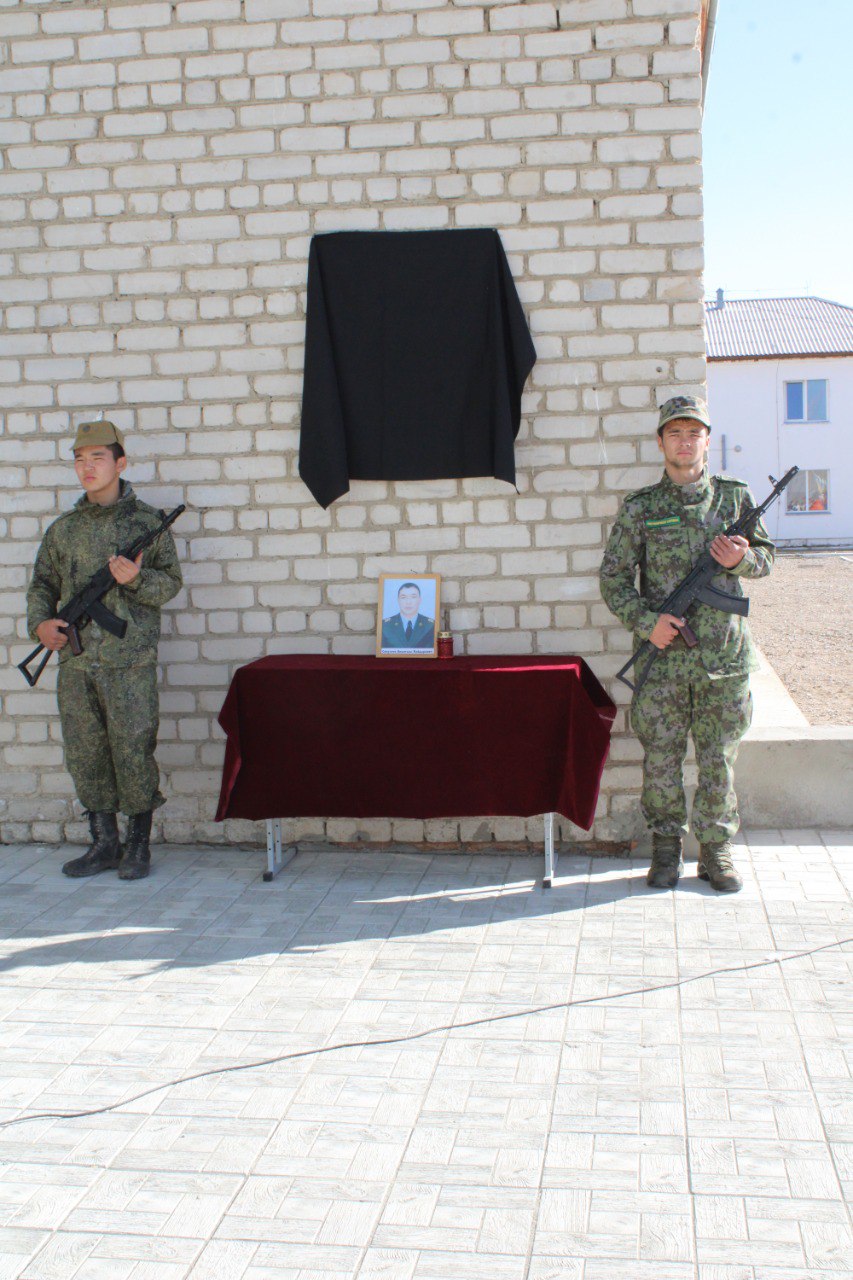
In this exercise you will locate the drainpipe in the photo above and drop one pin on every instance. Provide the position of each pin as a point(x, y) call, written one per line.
point(710, 28)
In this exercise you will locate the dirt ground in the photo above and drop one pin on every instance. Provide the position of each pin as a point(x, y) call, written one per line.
point(802, 617)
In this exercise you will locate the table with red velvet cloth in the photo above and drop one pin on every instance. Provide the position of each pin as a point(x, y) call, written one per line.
point(362, 737)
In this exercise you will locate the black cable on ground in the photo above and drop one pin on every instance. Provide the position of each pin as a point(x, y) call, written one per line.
point(417, 1035)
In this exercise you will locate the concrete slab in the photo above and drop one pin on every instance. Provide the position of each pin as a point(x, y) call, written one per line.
point(800, 778)
point(790, 773)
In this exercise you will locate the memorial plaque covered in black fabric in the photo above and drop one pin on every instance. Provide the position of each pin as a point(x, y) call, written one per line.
point(416, 353)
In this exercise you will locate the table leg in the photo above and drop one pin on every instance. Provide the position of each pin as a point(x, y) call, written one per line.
point(276, 860)
point(550, 855)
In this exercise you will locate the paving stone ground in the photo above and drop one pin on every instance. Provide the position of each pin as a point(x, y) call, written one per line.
point(571, 1125)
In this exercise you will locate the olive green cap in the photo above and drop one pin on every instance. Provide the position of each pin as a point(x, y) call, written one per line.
point(101, 432)
point(684, 407)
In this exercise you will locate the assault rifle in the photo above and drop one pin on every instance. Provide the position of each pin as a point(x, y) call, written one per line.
point(85, 606)
point(697, 586)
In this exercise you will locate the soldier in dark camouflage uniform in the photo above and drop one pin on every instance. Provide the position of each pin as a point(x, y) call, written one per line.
point(661, 531)
point(108, 703)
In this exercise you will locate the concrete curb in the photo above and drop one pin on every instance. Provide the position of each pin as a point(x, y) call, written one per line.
point(790, 773)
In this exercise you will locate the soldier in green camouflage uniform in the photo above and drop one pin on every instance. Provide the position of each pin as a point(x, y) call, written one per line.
point(662, 531)
point(108, 703)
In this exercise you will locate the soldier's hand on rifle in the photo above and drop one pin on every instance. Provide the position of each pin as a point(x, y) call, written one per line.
point(728, 551)
point(665, 630)
point(124, 570)
point(52, 633)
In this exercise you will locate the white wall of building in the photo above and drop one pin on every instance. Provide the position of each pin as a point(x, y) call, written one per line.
point(747, 402)
point(165, 166)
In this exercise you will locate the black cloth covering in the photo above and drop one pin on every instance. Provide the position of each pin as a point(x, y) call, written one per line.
point(416, 353)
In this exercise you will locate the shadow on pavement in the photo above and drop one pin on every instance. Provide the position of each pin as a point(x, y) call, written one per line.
point(209, 907)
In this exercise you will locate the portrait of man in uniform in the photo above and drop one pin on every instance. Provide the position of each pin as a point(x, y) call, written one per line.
point(408, 608)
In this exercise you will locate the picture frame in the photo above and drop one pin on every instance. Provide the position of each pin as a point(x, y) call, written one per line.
point(407, 615)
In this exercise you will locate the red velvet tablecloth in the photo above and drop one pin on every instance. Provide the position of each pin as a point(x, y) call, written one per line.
point(360, 737)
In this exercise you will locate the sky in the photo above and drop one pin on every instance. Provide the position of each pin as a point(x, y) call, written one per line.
point(778, 150)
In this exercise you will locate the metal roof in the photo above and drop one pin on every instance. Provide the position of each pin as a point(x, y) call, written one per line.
point(761, 328)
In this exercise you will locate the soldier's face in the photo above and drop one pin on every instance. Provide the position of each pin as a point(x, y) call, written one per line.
point(97, 470)
point(410, 601)
point(684, 443)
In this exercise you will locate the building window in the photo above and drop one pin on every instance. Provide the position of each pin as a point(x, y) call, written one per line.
point(806, 401)
point(807, 492)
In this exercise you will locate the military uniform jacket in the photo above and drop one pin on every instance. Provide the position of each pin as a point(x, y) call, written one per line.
point(394, 632)
point(662, 531)
point(78, 544)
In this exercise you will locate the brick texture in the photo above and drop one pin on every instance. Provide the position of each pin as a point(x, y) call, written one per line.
point(163, 169)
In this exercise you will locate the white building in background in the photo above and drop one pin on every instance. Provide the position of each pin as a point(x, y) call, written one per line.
point(780, 390)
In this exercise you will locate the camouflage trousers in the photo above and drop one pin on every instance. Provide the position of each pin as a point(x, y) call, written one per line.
point(679, 699)
point(110, 718)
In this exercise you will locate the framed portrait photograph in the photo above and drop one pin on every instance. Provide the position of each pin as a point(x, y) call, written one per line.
point(407, 617)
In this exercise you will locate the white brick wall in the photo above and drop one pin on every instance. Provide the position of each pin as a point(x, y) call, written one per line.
point(164, 167)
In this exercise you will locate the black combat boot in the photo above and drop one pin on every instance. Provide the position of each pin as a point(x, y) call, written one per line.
point(717, 866)
point(104, 853)
point(136, 862)
point(667, 865)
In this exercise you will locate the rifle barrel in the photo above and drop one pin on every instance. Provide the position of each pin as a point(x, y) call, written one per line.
point(145, 539)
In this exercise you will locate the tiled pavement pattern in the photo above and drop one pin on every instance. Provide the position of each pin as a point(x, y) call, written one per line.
point(700, 1132)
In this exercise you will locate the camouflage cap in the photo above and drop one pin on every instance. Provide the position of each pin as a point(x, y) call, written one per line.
point(684, 407)
point(101, 432)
